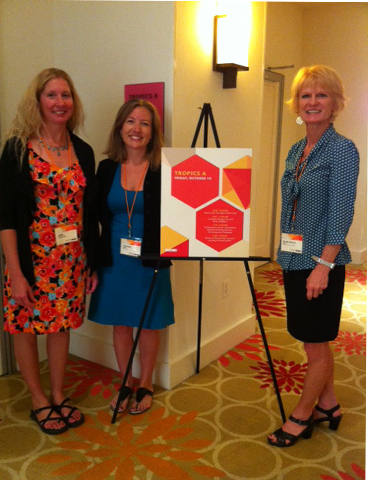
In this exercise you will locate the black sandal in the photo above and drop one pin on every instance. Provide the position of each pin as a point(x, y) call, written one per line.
point(282, 437)
point(41, 423)
point(126, 393)
point(68, 419)
point(334, 421)
point(141, 393)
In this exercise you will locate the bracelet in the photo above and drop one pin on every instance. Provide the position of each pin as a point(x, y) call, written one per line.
point(323, 262)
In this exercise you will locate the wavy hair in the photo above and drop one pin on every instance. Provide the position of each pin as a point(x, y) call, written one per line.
point(318, 76)
point(116, 149)
point(28, 120)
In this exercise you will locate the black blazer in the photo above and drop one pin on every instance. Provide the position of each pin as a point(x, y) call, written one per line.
point(151, 222)
point(17, 201)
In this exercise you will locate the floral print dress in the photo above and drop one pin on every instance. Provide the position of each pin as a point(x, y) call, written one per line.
point(60, 270)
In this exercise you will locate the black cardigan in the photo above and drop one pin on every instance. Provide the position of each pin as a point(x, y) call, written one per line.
point(17, 201)
point(151, 221)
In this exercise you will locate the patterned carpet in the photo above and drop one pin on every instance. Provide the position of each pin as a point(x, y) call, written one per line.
point(214, 425)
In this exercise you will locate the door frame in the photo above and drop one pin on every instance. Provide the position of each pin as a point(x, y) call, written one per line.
point(7, 358)
point(280, 79)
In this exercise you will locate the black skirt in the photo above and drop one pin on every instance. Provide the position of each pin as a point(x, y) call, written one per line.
point(316, 320)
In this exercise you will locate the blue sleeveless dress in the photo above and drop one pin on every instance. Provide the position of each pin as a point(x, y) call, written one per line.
point(122, 290)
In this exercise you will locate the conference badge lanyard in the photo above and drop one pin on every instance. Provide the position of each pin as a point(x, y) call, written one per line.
point(291, 242)
point(64, 232)
point(129, 245)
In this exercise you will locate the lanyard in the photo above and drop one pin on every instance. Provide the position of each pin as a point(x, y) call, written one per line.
point(298, 174)
point(130, 211)
point(70, 169)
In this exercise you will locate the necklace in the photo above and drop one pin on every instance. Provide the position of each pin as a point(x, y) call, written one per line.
point(55, 149)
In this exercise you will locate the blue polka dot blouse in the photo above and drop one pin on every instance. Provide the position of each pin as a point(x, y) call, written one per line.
point(325, 197)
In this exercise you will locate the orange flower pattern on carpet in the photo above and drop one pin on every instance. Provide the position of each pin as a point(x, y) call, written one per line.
point(123, 448)
point(289, 375)
point(360, 473)
point(351, 343)
point(269, 305)
point(84, 375)
point(273, 275)
point(251, 348)
point(359, 275)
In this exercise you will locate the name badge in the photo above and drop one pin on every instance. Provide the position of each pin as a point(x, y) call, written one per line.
point(291, 243)
point(65, 234)
point(130, 246)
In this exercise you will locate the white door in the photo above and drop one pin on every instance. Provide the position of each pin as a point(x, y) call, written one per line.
point(267, 169)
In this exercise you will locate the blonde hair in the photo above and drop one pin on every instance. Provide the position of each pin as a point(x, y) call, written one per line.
point(116, 149)
point(28, 120)
point(321, 76)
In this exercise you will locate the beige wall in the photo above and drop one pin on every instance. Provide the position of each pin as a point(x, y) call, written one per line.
point(103, 46)
point(237, 116)
point(335, 34)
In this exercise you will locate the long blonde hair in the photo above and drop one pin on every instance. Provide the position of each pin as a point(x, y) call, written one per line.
point(28, 120)
point(116, 149)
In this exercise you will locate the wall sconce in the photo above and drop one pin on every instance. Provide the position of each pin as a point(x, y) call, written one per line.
point(230, 51)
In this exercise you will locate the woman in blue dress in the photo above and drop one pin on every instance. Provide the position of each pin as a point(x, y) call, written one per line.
point(129, 213)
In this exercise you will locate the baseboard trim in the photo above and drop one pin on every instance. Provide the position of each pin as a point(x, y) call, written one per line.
point(358, 257)
point(166, 375)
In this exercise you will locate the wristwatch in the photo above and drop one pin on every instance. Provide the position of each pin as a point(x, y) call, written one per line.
point(323, 262)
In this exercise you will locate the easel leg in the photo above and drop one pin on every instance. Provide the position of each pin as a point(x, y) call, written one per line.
point(259, 319)
point(136, 340)
point(200, 296)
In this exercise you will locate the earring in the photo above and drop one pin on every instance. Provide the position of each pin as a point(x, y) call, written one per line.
point(299, 121)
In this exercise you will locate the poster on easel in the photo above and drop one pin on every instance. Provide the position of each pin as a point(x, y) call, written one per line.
point(205, 202)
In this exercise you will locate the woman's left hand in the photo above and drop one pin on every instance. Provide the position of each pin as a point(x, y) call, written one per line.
point(92, 282)
point(317, 281)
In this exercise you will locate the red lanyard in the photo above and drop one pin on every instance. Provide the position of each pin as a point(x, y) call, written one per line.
point(130, 211)
point(298, 174)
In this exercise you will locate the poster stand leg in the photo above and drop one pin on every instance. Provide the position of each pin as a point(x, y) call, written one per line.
point(265, 343)
point(206, 113)
point(199, 329)
point(135, 344)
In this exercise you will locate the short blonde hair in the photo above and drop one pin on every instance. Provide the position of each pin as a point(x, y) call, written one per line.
point(321, 76)
point(116, 149)
point(28, 120)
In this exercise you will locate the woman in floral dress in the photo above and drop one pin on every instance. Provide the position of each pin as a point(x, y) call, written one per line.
point(49, 233)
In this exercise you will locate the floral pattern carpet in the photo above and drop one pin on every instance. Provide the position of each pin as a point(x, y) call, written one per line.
point(214, 425)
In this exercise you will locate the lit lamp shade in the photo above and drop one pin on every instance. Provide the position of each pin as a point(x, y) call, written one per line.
point(230, 52)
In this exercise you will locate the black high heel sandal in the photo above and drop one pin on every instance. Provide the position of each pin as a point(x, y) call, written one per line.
point(334, 421)
point(282, 437)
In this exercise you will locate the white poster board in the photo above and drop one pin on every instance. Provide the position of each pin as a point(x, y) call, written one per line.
point(205, 202)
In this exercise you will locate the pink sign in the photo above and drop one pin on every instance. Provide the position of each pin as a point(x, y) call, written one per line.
point(151, 92)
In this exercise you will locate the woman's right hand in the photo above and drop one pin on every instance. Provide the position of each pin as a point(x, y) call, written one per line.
point(21, 292)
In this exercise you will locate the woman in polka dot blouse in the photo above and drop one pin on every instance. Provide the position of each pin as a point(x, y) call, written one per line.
point(318, 195)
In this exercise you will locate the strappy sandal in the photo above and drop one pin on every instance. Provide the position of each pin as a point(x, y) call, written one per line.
point(141, 393)
point(126, 394)
point(41, 423)
point(68, 419)
point(285, 439)
point(334, 421)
